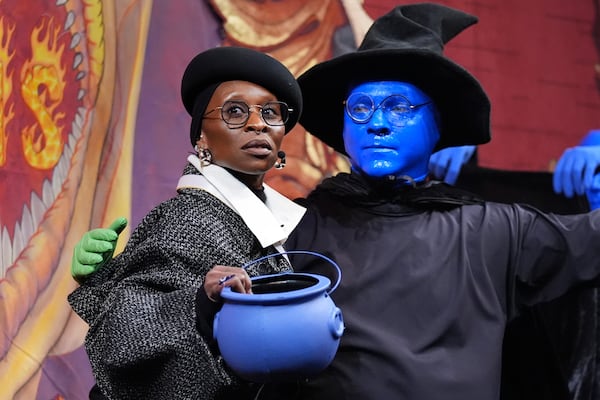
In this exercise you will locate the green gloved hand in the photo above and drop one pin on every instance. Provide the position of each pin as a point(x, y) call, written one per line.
point(95, 248)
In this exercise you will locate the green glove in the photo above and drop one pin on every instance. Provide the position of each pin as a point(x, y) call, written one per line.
point(95, 248)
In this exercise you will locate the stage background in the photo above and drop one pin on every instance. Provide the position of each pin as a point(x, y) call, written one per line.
point(92, 127)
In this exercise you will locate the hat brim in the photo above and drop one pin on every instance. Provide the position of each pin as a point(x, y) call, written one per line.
point(463, 106)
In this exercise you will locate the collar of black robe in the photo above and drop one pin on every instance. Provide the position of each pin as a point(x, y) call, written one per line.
point(357, 189)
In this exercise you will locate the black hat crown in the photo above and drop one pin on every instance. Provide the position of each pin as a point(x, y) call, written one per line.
point(425, 26)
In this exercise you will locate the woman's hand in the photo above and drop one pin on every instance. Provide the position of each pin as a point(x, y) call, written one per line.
point(221, 276)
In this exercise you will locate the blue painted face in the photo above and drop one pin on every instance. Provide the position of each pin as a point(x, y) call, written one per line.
point(397, 138)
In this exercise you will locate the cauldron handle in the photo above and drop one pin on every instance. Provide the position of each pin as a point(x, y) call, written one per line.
point(337, 267)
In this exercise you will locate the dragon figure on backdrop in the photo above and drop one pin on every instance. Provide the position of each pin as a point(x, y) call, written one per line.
point(69, 79)
point(62, 134)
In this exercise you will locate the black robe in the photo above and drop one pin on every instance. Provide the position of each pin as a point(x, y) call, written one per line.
point(551, 350)
point(430, 279)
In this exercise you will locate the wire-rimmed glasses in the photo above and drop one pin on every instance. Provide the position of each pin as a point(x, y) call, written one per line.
point(397, 108)
point(236, 113)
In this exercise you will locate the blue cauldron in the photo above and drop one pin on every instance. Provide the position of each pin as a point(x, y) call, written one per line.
point(288, 329)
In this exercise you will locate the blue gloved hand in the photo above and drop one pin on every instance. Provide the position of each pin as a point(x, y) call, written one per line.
point(591, 139)
point(95, 248)
point(447, 163)
point(593, 193)
point(575, 170)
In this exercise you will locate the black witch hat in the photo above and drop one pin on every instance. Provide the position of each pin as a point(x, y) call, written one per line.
point(404, 45)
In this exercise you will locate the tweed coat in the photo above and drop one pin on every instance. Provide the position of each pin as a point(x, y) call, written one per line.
point(147, 318)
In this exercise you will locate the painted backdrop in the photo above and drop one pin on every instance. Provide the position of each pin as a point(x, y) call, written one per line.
point(91, 126)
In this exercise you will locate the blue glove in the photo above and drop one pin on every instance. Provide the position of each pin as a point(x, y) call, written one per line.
point(575, 170)
point(447, 163)
point(591, 139)
point(593, 193)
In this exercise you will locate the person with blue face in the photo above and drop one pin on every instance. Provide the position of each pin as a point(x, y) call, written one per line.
point(389, 129)
point(431, 274)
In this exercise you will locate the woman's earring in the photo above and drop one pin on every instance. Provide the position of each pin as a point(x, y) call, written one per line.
point(280, 164)
point(205, 157)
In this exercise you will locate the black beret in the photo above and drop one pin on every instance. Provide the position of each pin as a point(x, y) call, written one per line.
point(221, 64)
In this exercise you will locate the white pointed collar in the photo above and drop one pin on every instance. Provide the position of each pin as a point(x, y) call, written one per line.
point(271, 222)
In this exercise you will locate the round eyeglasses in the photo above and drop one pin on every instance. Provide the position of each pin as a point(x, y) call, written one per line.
point(236, 113)
point(397, 108)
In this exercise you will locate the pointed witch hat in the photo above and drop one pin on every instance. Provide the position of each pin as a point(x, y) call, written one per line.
point(404, 45)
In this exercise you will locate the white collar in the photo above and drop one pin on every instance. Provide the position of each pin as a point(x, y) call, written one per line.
point(271, 222)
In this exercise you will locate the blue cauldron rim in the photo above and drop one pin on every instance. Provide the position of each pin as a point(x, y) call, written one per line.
point(322, 283)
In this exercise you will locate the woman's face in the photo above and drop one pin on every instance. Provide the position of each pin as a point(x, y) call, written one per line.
point(250, 149)
point(390, 143)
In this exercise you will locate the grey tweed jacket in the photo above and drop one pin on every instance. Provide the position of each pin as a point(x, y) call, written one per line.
point(141, 308)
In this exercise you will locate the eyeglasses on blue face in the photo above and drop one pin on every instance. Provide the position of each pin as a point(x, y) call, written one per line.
point(397, 108)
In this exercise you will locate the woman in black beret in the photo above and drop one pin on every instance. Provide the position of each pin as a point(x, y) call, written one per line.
point(150, 309)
